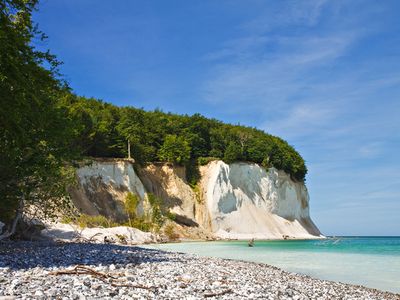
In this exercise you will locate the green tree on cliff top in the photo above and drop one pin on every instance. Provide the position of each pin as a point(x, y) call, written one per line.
point(175, 149)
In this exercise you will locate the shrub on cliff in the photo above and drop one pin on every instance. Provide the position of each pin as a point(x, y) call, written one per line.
point(86, 221)
point(170, 232)
point(131, 203)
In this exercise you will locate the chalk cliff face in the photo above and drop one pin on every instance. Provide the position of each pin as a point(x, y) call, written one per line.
point(239, 200)
point(103, 187)
point(169, 183)
point(246, 201)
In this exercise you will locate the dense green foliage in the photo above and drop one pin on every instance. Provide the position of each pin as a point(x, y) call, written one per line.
point(174, 149)
point(103, 130)
point(34, 128)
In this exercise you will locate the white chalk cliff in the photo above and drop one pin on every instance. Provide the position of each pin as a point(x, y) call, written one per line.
point(237, 201)
point(246, 201)
point(103, 186)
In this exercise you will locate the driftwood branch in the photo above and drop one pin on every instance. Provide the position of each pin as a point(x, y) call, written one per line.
point(92, 237)
point(218, 294)
point(81, 270)
point(112, 280)
point(116, 282)
point(81, 238)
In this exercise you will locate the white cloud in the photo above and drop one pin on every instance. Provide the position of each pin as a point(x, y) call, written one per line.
point(370, 150)
point(268, 77)
point(287, 13)
point(301, 120)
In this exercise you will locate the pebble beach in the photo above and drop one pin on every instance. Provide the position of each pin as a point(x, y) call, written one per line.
point(37, 270)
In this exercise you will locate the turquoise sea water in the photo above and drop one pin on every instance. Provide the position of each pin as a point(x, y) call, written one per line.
point(370, 261)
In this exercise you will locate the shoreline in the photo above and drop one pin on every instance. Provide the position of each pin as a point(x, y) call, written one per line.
point(248, 239)
point(27, 270)
point(133, 236)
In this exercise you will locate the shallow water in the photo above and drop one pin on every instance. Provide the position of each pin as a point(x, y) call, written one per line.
point(370, 261)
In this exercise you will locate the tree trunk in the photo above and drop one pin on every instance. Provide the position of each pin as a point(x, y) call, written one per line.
point(18, 216)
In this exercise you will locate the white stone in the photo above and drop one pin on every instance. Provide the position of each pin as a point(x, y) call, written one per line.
point(39, 294)
point(68, 232)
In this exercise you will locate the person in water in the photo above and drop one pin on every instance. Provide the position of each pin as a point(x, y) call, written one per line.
point(251, 243)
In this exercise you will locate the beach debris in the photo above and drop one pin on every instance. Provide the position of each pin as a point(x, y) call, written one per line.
point(209, 295)
point(112, 280)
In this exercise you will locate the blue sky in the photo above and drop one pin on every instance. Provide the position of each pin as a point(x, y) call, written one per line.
point(324, 75)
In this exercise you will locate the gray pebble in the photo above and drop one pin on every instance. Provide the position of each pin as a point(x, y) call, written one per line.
point(32, 268)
